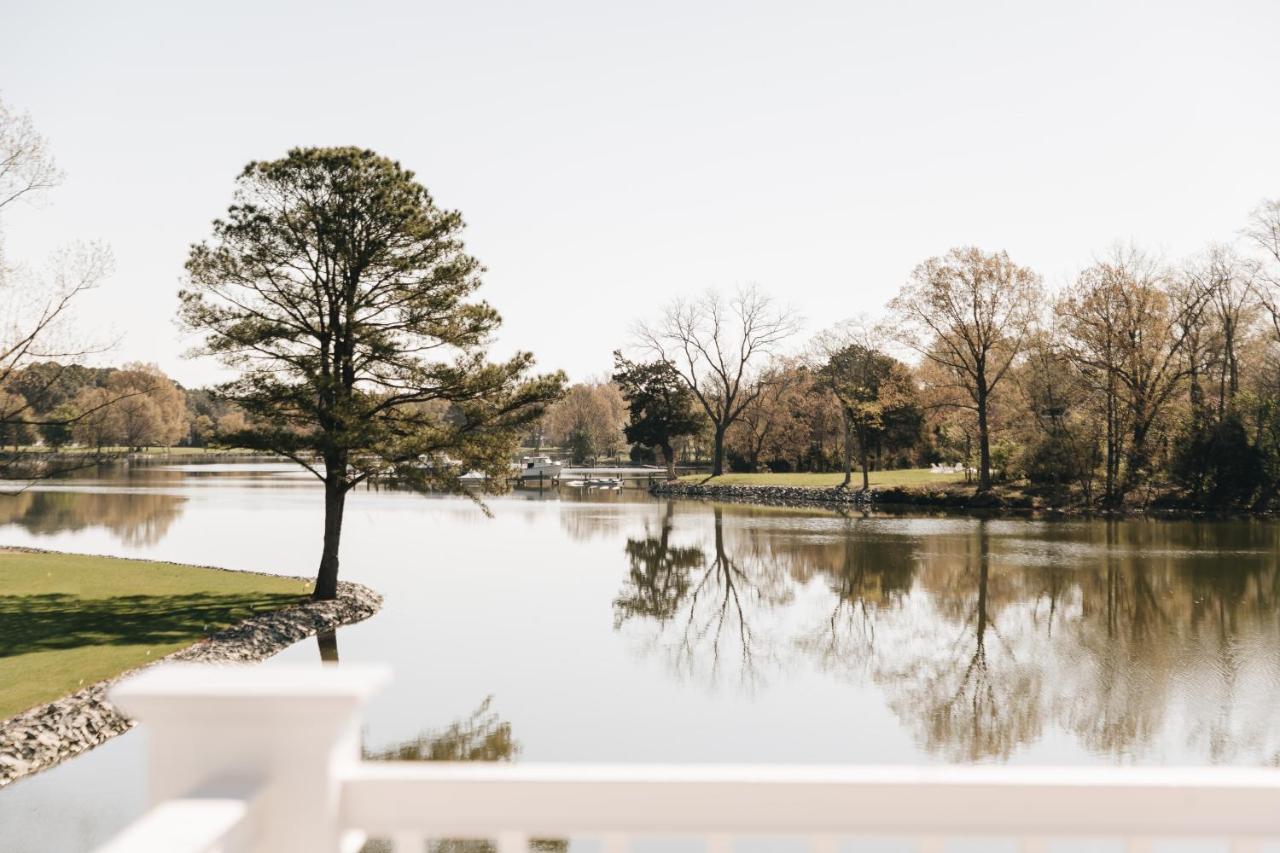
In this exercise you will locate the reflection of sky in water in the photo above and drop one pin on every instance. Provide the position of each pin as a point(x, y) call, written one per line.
point(613, 627)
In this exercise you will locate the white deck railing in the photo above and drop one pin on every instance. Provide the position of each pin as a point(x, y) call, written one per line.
point(268, 759)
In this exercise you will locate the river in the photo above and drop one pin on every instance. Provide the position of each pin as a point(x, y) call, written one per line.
point(612, 626)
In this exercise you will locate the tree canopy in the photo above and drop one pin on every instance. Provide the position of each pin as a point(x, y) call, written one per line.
point(875, 392)
point(341, 293)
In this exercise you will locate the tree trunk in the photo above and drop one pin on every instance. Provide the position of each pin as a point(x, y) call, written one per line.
point(862, 451)
point(1109, 488)
point(1137, 458)
point(335, 498)
point(984, 445)
point(848, 449)
point(669, 456)
point(717, 461)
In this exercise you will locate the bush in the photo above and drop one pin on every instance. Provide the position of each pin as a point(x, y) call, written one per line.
point(1217, 463)
point(642, 455)
point(1006, 463)
point(1058, 461)
point(580, 447)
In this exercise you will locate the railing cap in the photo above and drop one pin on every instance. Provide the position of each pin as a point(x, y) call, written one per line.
point(208, 682)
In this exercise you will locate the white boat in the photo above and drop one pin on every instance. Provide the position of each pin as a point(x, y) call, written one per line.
point(539, 467)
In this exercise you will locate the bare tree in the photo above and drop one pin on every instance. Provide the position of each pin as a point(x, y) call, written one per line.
point(1227, 282)
point(1264, 227)
point(716, 345)
point(1264, 232)
point(970, 312)
point(26, 166)
point(35, 305)
point(1128, 331)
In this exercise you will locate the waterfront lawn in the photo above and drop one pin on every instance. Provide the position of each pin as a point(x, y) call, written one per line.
point(67, 620)
point(906, 477)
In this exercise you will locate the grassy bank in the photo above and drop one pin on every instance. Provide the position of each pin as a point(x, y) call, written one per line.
point(907, 477)
point(67, 621)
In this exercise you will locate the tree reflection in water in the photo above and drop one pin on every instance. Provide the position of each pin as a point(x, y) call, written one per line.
point(865, 574)
point(963, 679)
point(1133, 637)
point(659, 577)
point(327, 641)
point(482, 736)
point(704, 606)
point(136, 519)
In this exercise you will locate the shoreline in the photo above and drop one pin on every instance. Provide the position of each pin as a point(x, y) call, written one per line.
point(46, 735)
point(947, 501)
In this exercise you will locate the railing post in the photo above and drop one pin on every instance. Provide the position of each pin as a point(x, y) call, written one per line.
point(290, 729)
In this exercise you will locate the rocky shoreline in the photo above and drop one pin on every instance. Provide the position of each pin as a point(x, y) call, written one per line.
point(48, 734)
point(772, 495)
point(893, 496)
point(937, 500)
point(888, 498)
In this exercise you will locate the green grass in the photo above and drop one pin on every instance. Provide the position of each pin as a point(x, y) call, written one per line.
point(903, 477)
point(67, 621)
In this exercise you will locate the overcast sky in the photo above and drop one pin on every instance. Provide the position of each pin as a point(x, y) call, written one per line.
point(610, 156)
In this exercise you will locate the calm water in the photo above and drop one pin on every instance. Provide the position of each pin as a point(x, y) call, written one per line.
point(616, 627)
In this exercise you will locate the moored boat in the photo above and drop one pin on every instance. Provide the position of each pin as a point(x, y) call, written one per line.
point(539, 468)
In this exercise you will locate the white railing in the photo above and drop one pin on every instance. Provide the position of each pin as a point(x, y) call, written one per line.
point(267, 759)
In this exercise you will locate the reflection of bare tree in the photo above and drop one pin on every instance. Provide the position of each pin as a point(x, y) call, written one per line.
point(719, 600)
point(701, 604)
point(1124, 631)
point(1180, 628)
point(135, 518)
point(971, 692)
point(1132, 636)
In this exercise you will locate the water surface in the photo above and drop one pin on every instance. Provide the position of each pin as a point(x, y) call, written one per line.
point(611, 626)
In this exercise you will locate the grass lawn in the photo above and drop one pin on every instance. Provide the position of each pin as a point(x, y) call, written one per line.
point(67, 621)
point(903, 477)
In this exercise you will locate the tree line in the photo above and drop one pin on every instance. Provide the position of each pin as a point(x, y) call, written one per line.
point(52, 405)
point(1140, 382)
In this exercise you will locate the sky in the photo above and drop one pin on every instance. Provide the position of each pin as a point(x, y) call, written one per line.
point(610, 157)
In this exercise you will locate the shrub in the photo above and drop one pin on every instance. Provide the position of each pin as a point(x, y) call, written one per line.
point(1217, 463)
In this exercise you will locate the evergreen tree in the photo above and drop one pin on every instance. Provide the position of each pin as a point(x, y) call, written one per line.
point(330, 284)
